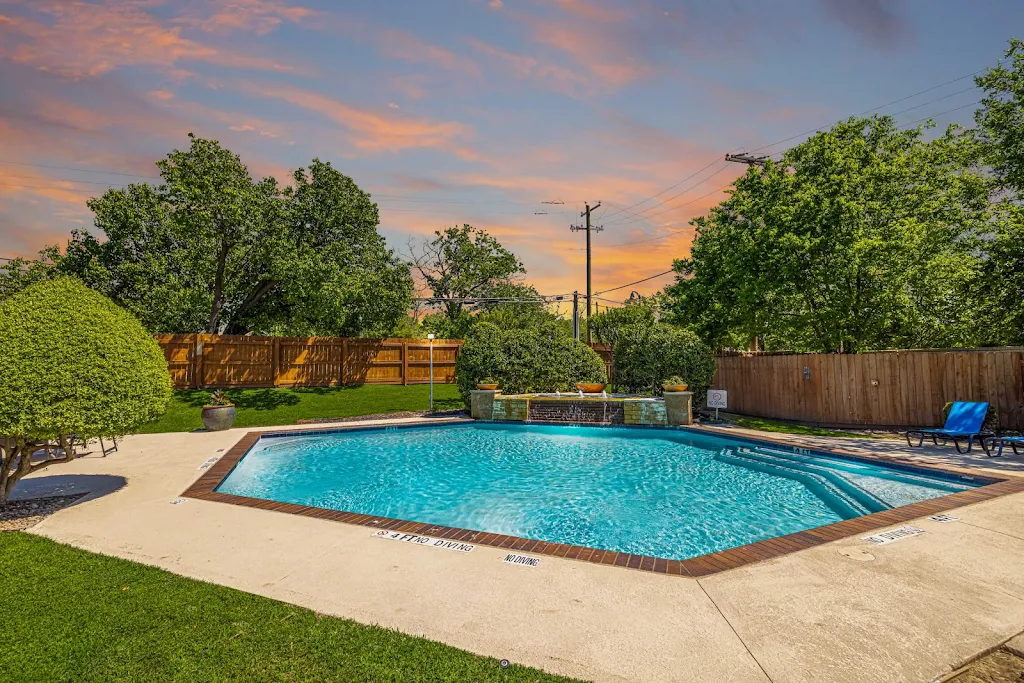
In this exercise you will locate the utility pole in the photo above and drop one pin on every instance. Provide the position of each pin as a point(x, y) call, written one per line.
point(576, 316)
point(746, 159)
point(589, 229)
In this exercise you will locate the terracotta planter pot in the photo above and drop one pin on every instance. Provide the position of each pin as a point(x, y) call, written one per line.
point(217, 418)
point(673, 387)
point(591, 388)
point(486, 387)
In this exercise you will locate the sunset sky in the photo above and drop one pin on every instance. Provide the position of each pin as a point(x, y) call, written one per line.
point(468, 111)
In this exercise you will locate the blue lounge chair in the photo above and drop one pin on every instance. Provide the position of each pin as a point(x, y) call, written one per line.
point(964, 422)
point(1001, 441)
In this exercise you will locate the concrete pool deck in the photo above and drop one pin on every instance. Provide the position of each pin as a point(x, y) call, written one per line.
point(912, 610)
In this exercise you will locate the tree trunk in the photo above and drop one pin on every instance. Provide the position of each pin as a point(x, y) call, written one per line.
point(218, 289)
point(257, 293)
point(12, 448)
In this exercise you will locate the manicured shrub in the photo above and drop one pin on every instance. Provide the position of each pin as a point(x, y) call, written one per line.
point(647, 355)
point(537, 359)
point(71, 363)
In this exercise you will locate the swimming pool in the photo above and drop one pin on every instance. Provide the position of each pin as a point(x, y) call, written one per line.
point(672, 494)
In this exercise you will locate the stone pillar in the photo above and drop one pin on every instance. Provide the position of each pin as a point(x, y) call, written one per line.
point(481, 403)
point(679, 407)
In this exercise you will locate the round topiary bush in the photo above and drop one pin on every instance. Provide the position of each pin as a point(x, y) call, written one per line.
point(647, 355)
point(71, 363)
point(524, 361)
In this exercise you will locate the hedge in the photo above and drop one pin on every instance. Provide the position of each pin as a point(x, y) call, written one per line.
point(73, 362)
point(647, 355)
point(525, 361)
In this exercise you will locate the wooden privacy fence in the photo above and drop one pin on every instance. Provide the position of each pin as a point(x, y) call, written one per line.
point(221, 361)
point(884, 388)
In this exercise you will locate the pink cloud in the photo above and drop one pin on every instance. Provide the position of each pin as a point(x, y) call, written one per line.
point(368, 130)
point(523, 66)
point(403, 45)
point(86, 39)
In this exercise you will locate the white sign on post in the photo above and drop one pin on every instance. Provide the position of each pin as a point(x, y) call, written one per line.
point(718, 398)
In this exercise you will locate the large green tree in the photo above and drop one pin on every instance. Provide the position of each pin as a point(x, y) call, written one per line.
point(460, 263)
point(211, 249)
point(1000, 130)
point(73, 366)
point(862, 237)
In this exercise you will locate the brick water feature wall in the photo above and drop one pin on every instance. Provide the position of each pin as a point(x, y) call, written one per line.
point(602, 412)
point(672, 410)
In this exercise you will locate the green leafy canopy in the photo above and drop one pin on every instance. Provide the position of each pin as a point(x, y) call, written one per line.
point(525, 360)
point(211, 249)
point(73, 362)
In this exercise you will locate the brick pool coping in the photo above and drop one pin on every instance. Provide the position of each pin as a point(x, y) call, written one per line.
point(704, 565)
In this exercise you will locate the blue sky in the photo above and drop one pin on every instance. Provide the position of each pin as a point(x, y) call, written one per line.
point(469, 111)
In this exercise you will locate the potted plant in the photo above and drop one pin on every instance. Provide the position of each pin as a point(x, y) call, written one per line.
point(591, 387)
point(219, 413)
point(487, 384)
point(674, 383)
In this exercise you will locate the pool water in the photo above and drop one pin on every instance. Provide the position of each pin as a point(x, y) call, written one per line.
point(665, 493)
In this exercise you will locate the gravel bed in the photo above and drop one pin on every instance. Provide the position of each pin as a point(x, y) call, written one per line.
point(22, 514)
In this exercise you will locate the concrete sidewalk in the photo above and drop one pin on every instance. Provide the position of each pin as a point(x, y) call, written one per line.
point(911, 610)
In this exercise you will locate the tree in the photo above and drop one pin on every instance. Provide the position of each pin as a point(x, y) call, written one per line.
point(1001, 133)
point(464, 262)
point(334, 274)
point(608, 327)
point(72, 364)
point(525, 360)
point(19, 273)
point(863, 237)
point(648, 354)
point(210, 249)
point(1001, 117)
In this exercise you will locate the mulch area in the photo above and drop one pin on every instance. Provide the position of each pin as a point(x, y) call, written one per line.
point(385, 416)
point(1001, 666)
point(19, 515)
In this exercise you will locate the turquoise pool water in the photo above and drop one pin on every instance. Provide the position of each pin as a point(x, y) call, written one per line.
point(671, 494)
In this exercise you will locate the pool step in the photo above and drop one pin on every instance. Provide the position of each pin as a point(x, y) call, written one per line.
point(901, 476)
point(839, 501)
point(865, 498)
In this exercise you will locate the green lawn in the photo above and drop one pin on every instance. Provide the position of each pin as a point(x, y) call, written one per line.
point(264, 407)
point(71, 615)
point(767, 425)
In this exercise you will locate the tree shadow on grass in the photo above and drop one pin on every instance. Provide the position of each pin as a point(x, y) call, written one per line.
point(250, 399)
point(448, 404)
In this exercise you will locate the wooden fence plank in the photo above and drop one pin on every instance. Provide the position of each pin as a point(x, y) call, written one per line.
point(233, 361)
point(912, 385)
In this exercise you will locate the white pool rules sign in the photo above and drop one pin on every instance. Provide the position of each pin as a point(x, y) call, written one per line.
point(718, 398)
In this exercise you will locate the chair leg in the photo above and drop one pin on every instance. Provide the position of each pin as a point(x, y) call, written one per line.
point(970, 442)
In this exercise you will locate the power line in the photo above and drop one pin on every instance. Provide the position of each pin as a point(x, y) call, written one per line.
point(941, 113)
point(874, 109)
point(676, 196)
point(670, 187)
point(887, 104)
point(630, 284)
point(72, 168)
point(60, 180)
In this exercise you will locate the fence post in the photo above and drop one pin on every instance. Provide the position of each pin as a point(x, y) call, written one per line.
point(344, 361)
point(275, 361)
point(200, 372)
point(405, 363)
